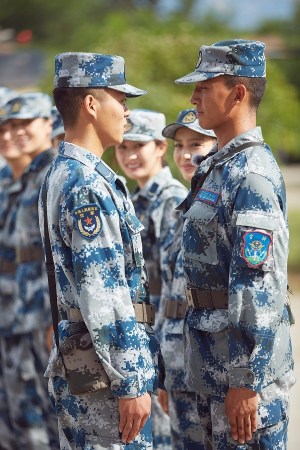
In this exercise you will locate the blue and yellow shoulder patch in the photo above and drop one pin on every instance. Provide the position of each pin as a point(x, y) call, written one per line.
point(256, 247)
point(88, 221)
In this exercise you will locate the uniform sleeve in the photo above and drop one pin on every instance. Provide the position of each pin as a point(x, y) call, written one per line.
point(257, 281)
point(100, 244)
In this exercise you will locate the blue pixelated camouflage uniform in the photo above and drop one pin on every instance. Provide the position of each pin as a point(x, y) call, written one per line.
point(155, 206)
point(33, 296)
point(186, 431)
point(100, 271)
point(27, 419)
point(235, 238)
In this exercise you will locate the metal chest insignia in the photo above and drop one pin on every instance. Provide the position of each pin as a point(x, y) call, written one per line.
point(256, 247)
point(88, 220)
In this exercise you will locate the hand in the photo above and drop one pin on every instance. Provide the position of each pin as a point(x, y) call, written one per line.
point(241, 409)
point(134, 413)
point(163, 399)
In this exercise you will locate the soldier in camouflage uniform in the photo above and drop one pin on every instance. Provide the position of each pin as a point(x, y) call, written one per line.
point(102, 294)
point(141, 158)
point(191, 146)
point(235, 248)
point(29, 420)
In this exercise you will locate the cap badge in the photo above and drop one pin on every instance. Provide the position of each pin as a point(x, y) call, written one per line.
point(190, 117)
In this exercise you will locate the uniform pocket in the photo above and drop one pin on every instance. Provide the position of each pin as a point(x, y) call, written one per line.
point(134, 227)
point(200, 233)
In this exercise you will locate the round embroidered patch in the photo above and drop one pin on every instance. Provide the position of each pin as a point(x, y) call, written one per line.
point(256, 247)
point(88, 221)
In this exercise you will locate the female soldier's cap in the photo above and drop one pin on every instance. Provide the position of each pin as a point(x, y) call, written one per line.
point(92, 70)
point(144, 125)
point(236, 57)
point(30, 105)
point(186, 118)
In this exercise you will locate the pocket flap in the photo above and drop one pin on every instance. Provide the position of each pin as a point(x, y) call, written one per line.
point(258, 220)
point(201, 212)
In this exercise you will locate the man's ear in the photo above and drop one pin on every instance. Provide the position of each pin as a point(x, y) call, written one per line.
point(90, 104)
point(240, 92)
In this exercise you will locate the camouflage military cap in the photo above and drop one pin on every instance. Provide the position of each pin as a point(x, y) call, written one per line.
point(237, 57)
point(144, 125)
point(5, 95)
point(93, 70)
point(186, 118)
point(30, 105)
point(58, 125)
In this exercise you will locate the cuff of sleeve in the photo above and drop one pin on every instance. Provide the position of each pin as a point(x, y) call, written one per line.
point(243, 377)
point(130, 387)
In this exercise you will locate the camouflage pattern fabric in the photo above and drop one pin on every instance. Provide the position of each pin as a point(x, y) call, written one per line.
point(155, 207)
point(33, 309)
point(27, 420)
point(100, 272)
point(238, 57)
point(237, 221)
point(273, 418)
point(93, 70)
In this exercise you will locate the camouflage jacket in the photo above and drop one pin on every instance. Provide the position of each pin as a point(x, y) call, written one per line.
point(155, 207)
point(9, 192)
point(235, 238)
point(100, 270)
point(33, 309)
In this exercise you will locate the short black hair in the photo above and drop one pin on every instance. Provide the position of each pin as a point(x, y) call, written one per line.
point(69, 100)
point(255, 86)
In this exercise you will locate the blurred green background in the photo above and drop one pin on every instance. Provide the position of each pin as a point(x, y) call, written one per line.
point(158, 47)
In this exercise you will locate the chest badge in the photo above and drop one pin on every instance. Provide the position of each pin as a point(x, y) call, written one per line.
point(88, 221)
point(256, 247)
point(208, 196)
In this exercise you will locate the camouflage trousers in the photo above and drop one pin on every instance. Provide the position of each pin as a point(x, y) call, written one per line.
point(186, 431)
point(91, 421)
point(273, 417)
point(161, 428)
point(27, 420)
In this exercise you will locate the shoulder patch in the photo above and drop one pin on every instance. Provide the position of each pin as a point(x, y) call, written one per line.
point(88, 221)
point(208, 196)
point(256, 247)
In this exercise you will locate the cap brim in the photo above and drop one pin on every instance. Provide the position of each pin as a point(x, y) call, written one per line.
point(170, 130)
point(195, 77)
point(137, 137)
point(129, 90)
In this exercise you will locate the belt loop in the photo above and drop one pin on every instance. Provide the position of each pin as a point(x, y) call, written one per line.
point(189, 297)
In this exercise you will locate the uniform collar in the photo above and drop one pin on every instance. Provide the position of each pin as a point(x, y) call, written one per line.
point(155, 185)
point(40, 161)
point(68, 150)
point(227, 152)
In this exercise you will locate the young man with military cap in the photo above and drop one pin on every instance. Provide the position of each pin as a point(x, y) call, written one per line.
point(25, 319)
point(100, 391)
point(235, 248)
